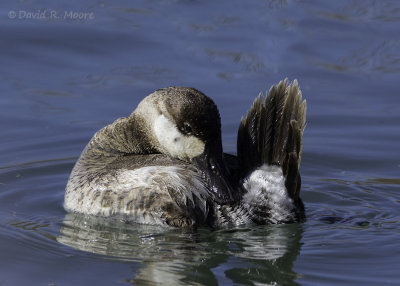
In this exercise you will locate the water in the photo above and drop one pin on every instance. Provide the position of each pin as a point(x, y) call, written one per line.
point(61, 79)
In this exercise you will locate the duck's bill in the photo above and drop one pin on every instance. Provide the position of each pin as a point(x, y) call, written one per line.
point(216, 174)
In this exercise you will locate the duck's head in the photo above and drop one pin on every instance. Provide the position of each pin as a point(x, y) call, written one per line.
point(185, 124)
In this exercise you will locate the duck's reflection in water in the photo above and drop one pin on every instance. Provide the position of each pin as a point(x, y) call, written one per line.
point(259, 254)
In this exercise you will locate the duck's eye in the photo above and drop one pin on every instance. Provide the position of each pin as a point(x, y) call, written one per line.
point(186, 128)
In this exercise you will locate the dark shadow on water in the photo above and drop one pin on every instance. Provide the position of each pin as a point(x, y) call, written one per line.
point(256, 254)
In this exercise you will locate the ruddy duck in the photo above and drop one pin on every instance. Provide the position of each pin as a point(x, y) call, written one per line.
point(164, 163)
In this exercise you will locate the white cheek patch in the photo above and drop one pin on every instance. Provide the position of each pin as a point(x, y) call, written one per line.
point(174, 142)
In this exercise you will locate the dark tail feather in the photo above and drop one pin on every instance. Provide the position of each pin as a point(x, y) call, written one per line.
point(271, 133)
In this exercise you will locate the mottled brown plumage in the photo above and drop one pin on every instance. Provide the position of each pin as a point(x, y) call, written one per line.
point(164, 163)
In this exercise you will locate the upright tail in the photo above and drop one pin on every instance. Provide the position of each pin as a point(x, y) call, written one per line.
point(271, 134)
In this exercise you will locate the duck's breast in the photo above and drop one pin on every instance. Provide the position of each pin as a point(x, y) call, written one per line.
point(160, 192)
